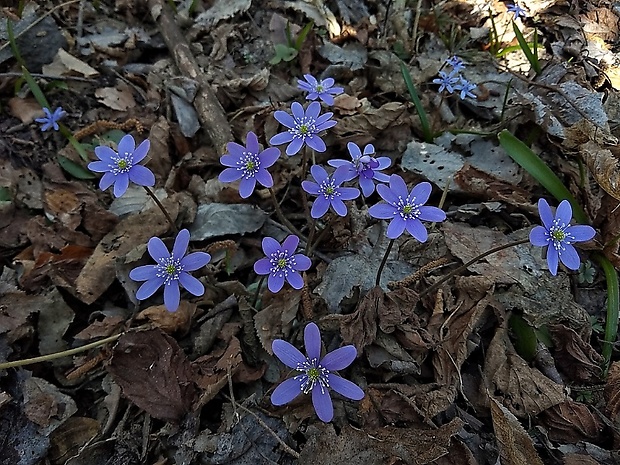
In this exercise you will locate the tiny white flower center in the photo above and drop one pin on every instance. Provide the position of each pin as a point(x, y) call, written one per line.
point(121, 163)
point(281, 263)
point(249, 164)
point(169, 268)
point(304, 128)
point(558, 235)
point(312, 374)
point(319, 88)
point(328, 189)
point(408, 209)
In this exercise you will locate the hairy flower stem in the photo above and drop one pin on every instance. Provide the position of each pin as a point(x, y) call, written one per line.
point(462, 268)
point(162, 208)
point(281, 216)
point(56, 355)
point(321, 236)
point(310, 236)
point(384, 261)
point(304, 169)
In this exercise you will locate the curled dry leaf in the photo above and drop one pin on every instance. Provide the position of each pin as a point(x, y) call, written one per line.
point(604, 164)
point(154, 373)
point(574, 356)
point(572, 422)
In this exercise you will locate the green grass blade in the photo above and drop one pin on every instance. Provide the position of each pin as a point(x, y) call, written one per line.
point(426, 127)
point(532, 163)
point(532, 57)
point(613, 307)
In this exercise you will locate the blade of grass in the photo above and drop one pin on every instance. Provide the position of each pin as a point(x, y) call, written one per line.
point(531, 57)
point(426, 127)
point(613, 306)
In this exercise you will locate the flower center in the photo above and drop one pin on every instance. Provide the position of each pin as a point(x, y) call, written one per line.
point(319, 88)
point(249, 164)
point(408, 209)
point(328, 189)
point(281, 263)
point(312, 374)
point(169, 268)
point(121, 163)
point(559, 236)
point(305, 127)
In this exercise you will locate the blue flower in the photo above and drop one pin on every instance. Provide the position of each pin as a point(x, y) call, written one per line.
point(171, 271)
point(328, 191)
point(282, 263)
point(304, 127)
point(446, 81)
point(517, 11)
point(248, 164)
point(456, 63)
point(316, 373)
point(50, 120)
point(365, 166)
point(406, 209)
point(465, 88)
point(122, 167)
point(322, 89)
point(558, 235)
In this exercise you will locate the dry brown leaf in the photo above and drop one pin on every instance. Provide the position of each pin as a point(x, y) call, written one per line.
point(154, 373)
point(25, 109)
point(118, 98)
point(170, 322)
point(612, 393)
point(70, 437)
point(574, 356)
point(360, 327)
point(65, 64)
point(274, 320)
point(604, 165)
point(371, 120)
point(515, 445)
point(572, 422)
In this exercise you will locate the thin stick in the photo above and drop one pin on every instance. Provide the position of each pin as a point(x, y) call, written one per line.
point(281, 216)
point(471, 262)
point(384, 261)
point(162, 208)
point(56, 355)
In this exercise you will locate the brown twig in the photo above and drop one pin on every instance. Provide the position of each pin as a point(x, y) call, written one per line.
point(210, 112)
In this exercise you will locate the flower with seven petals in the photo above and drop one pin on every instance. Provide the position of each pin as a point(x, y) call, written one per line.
point(248, 164)
point(316, 374)
point(304, 127)
point(122, 167)
point(50, 120)
point(171, 270)
point(558, 235)
point(282, 263)
point(406, 209)
point(365, 166)
point(322, 89)
point(328, 191)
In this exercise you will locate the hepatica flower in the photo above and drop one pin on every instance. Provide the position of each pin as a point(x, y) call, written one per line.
point(122, 167)
point(248, 164)
point(365, 166)
point(406, 209)
point(282, 263)
point(304, 127)
point(316, 374)
point(171, 271)
point(322, 89)
point(558, 235)
point(328, 191)
point(50, 120)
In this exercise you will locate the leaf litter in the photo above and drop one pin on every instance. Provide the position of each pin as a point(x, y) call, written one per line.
point(444, 377)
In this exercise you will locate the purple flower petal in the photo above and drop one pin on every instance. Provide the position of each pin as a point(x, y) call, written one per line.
point(552, 260)
point(328, 99)
point(106, 181)
point(286, 392)
point(251, 142)
point(319, 207)
point(539, 236)
point(310, 187)
point(316, 143)
point(367, 186)
point(382, 211)
point(290, 244)
point(105, 153)
point(312, 341)
point(581, 233)
point(275, 283)
point(281, 138)
point(172, 296)
point(284, 119)
point(345, 387)
point(384, 162)
point(246, 187)
point(340, 358)
point(302, 263)
point(339, 207)
point(348, 193)
point(141, 175)
point(228, 160)
point(298, 111)
point(236, 150)
point(143, 273)
point(396, 227)
point(295, 280)
point(318, 173)
point(323, 404)
point(287, 353)
point(570, 257)
point(127, 145)
point(398, 187)
point(264, 178)
point(262, 266)
point(180, 244)
point(432, 214)
point(121, 184)
point(420, 193)
point(157, 249)
point(545, 213)
point(141, 151)
point(195, 261)
point(295, 146)
point(386, 193)
point(269, 156)
point(99, 166)
point(148, 288)
point(193, 285)
point(354, 150)
point(230, 175)
point(313, 110)
point(270, 246)
point(416, 229)
point(564, 213)
point(340, 175)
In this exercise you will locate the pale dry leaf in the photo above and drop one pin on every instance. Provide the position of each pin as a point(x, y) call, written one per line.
point(27, 110)
point(117, 98)
point(604, 166)
point(65, 64)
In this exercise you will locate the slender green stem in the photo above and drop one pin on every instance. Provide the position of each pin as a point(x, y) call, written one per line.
point(321, 236)
point(384, 261)
point(162, 208)
point(471, 262)
point(258, 288)
point(56, 355)
point(281, 216)
point(304, 195)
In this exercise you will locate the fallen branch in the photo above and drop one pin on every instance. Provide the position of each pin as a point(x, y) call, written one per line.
point(210, 112)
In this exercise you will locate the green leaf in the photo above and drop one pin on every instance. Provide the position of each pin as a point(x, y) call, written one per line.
point(525, 340)
point(426, 127)
point(5, 194)
point(302, 35)
point(283, 52)
point(532, 163)
point(74, 169)
point(613, 307)
point(531, 57)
